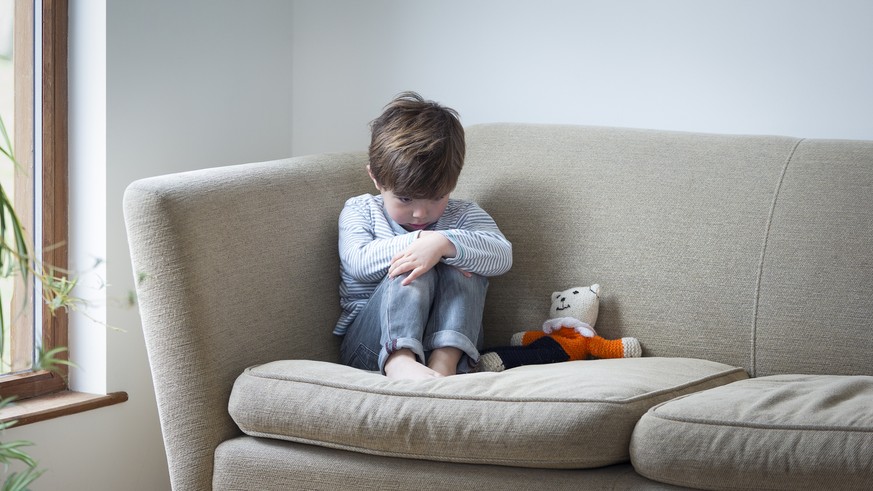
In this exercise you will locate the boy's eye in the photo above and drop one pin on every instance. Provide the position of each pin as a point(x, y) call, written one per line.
point(404, 199)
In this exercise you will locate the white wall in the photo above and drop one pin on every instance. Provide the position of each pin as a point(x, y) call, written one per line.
point(789, 67)
point(197, 83)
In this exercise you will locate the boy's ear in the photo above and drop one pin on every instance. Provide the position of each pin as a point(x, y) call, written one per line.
point(370, 173)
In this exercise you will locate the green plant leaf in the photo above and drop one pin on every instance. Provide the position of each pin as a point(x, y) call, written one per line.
point(7, 150)
point(47, 360)
point(21, 481)
point(10, 451)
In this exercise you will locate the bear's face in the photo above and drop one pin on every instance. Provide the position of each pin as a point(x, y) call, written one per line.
point(581, 302)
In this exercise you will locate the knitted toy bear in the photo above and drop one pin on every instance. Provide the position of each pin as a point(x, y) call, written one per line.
point(568, 335)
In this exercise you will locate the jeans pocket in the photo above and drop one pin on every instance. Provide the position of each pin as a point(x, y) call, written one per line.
point(364, 358)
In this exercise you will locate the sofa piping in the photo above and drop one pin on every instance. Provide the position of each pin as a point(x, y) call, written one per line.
point(754, 337)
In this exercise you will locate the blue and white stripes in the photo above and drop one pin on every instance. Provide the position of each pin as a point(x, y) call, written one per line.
point(369, 238)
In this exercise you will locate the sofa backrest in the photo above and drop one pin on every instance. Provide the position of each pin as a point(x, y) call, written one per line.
point(755, 251)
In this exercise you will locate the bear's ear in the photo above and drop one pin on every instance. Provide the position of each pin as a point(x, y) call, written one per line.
point(595, 289)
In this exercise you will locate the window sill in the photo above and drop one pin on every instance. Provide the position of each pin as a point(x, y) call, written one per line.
point(58, 404)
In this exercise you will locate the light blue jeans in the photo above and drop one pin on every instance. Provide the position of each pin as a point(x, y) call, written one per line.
point(441, 308)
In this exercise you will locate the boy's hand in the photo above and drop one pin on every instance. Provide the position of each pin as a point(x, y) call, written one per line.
point(422, 255)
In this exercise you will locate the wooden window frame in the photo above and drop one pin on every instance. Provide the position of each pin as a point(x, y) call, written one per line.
point(33, 383)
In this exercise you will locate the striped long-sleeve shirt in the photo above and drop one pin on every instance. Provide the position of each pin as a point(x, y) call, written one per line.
point(369, 238)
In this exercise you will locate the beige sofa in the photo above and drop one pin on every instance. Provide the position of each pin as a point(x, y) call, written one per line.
point(744, 265)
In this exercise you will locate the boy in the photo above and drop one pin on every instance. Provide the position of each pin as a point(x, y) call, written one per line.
point(414, 263)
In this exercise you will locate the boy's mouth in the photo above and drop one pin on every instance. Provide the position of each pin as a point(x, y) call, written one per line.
point(417, 226)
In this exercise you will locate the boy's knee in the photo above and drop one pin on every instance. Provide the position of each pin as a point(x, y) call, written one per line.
point(428, 278)
point(423, 285)
point(461, 278)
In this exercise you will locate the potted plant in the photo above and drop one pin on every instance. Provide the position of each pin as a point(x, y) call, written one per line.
point(16, 259)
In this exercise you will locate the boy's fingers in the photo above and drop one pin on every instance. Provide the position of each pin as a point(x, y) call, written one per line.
point(398, 268)
point(415, 273)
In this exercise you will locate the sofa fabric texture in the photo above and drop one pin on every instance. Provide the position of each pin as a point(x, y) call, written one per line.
point(283, 466)
point(753, 252)
point(816, 285)
point(779, 432)
point(507, 418)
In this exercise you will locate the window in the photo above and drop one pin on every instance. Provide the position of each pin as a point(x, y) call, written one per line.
point(37, 122)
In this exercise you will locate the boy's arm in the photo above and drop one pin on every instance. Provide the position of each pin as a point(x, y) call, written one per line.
point(365, 257)
point(428, 249)
point(480, 246)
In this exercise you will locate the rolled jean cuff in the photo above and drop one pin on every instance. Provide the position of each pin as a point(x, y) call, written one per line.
point(455, 339)
point(396, 344)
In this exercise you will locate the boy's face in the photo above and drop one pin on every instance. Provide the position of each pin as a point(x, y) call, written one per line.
point(414, 214)
point(410, 213)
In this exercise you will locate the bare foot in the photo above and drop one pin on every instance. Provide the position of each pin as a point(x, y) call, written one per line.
point(445, 360)
point(403, 365)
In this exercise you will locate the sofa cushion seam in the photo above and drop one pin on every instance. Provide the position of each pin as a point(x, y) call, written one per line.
point(420, 456)
point(625, 401)
point(757, 426)
point(767, 228)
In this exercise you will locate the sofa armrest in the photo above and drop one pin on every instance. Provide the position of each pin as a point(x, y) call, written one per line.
point(234, 266)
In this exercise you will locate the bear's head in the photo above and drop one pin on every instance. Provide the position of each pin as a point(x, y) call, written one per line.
point(581, 302)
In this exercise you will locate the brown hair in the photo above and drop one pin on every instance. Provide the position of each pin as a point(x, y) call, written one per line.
point(417, 147)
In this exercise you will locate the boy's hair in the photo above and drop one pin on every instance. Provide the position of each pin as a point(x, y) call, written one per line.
point(417, 148)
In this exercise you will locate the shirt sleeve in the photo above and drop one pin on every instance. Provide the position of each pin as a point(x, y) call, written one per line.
point(481, 247)
point(364, 256)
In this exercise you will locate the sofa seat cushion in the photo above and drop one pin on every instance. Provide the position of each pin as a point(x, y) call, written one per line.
point(777, 432)
point(567, 415)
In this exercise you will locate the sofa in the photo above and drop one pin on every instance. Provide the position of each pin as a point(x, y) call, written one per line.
point(743, 264)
